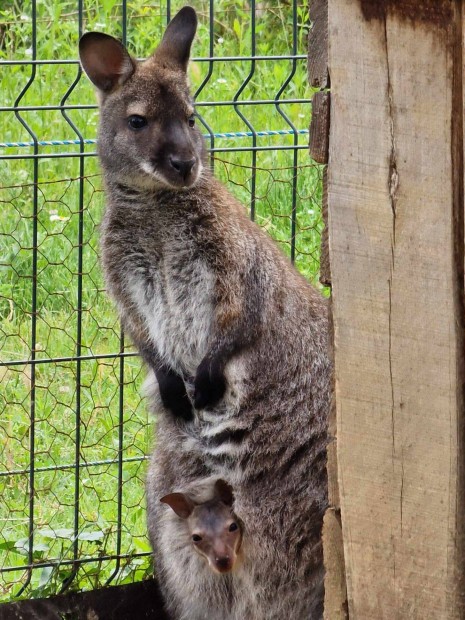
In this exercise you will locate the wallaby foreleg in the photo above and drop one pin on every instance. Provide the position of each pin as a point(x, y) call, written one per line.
point(173, 393)
point(238, 319)
point(170, 383)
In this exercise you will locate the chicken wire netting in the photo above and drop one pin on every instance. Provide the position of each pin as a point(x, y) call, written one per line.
point(74, 429)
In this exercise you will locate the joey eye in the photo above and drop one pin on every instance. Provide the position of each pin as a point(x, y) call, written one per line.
point(196, 538)
point(191, 120)
point(136, 122)
point(233, 527)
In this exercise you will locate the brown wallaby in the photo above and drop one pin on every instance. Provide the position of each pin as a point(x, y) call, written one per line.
point(210, 527)
point(236, 339)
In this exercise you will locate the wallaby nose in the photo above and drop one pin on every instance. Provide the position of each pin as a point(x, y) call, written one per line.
point(223, 563)
point(183, 166)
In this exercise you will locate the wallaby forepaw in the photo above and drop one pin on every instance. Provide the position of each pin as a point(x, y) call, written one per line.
point(209, 384)
point(180, 406)
point(173, 394)
point(182, 409)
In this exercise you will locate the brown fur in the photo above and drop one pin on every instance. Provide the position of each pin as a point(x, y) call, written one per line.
point(236, 339)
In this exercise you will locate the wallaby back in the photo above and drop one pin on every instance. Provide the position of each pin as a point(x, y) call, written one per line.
point(234, 338)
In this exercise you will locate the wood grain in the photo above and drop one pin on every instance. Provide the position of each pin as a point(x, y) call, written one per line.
point(335, 583)
point(325, 264)
point(318, 44)
point(319, 127)
point(395, 182)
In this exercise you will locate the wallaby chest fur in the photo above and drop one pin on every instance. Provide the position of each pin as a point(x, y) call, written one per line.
point(179, 264)
point(155, 267)
point(235, 341)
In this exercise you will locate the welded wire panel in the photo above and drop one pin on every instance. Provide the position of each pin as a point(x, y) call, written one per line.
point(74, 429)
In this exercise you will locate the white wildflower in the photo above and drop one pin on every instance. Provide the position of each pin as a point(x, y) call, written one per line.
point(58, 218)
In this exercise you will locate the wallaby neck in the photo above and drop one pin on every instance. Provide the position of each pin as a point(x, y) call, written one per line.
point(122, 194)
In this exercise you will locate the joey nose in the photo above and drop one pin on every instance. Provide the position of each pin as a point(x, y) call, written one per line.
point(223, 564)
point(182, 166)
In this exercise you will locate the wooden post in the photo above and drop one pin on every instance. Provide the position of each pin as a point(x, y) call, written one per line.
point(335, 607)
point(318, 44)
point(395, 201)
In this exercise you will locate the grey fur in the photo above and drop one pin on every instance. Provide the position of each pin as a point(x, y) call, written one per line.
point(213, 306)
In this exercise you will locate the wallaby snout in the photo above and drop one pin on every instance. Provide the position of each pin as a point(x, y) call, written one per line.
point(222, 564)
point(177, 155)
point(182, 166)
point(221, 549)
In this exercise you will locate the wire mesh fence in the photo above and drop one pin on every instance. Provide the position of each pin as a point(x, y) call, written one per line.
point(73, 426)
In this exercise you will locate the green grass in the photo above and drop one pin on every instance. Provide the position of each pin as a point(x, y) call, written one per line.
point(67, 518)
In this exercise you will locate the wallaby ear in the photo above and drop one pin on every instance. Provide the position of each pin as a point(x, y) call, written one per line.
point(105, 60)
point(175, 47)
point(224, 492)
point(180, 503)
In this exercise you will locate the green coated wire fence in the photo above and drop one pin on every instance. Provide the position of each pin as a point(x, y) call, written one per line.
point(74, 429)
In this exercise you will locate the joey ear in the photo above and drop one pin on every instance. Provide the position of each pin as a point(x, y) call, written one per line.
point(175, 47)
point(224, 492)
point(180, 503)
point(105, 60)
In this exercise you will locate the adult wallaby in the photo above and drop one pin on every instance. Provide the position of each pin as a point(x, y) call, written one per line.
point(236, 338)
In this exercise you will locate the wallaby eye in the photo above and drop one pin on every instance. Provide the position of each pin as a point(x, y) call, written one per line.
point(233, 527)
point(196, 538)
point(191, 120)
point(137, 122)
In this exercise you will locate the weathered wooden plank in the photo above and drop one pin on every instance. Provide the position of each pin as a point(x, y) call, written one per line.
point(335, 583)
point(325, 265)
point(335, 580)
point(335, 607)
point(318, 44)
point(395, 182)
point(319, 127)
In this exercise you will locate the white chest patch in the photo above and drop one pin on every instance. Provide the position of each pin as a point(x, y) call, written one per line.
point(175, 300)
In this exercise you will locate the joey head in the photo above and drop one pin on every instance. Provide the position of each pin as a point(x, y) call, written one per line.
point(211, 527)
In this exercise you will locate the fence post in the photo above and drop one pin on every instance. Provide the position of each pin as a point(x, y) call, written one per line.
point(335, 582)
point(395, 200)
